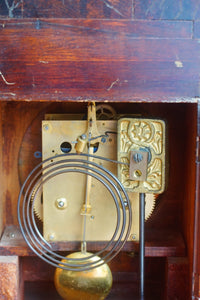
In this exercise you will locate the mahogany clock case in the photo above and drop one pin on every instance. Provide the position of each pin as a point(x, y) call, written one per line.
point(170, 230)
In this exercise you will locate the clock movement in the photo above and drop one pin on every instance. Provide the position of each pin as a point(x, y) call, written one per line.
point(95, 171)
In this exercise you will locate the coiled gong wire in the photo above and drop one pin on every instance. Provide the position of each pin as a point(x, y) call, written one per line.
point(73, 163)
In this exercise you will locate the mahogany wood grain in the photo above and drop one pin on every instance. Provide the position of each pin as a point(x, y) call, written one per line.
point(14, 123)
point(132, 29)
point(1, 174)
point(11, 278)
point(177, 285)
point(188, 208)
point(196, 256)
point(90, 60)
point(12, 243)
point(130, 57)
point(46, 290)
point(102, 9)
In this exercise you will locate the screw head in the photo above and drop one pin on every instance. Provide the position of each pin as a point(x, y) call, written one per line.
point(61, 203)
point(138, 157)
point(125, 203)
point(103, 140)
point(83, 136)
point(46, 127)
point(51, 236)
point(132, 236)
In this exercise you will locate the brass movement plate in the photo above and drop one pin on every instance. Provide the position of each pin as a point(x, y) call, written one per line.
point(143, 135)
point(66, 223)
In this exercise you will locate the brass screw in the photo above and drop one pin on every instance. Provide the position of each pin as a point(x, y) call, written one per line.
point(51, 236)
point(138, 157)
point(83, 136)
point(133, 236)
point(46, 127)
point(61, 203)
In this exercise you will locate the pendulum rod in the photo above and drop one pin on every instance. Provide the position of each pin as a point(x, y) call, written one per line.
point(142, 244)
point(86, 207)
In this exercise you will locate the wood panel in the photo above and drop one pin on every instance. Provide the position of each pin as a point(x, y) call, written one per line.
point(1, 174)
point(196, 249)
point(102, 9)
point(15, 122)
point(124, 290)
point(131, 29)
point(12, 243)
point(112, 60)
point(167, 9)
point(11, 283)
point(188, 209)
point(177, 285)
point(114, 9)
point(67, 60)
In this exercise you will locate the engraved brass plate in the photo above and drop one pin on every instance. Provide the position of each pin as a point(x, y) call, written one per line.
point(135, 134)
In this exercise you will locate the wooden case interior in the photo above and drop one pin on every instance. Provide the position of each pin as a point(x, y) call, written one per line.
point(170, 230)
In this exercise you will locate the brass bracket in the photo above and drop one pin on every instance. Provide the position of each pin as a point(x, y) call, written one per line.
point(144, 138)
point(138, 165)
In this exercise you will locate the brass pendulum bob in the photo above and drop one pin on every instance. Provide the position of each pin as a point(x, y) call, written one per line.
point(94, 284)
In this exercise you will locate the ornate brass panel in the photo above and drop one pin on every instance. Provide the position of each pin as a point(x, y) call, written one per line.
point(143, 135)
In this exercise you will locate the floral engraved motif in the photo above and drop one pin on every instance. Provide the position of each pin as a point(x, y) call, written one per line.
point(125, 142)
point(140, 134)
point(154, 178)
point(140, 131)
point(158, 138)
point(147, 134)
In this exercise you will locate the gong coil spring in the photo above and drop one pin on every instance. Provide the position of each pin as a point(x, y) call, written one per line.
point(72, 163)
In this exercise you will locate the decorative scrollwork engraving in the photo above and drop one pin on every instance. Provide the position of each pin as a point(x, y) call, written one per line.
point(125, 142)
point(154, 178)
point(146, 133)
point(137, 134)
